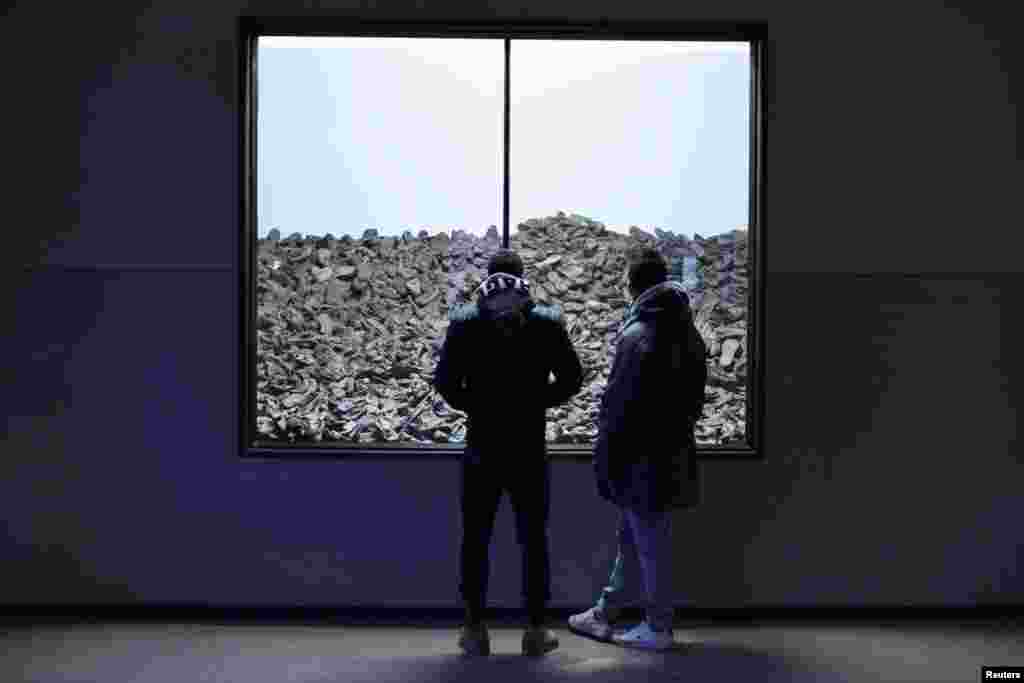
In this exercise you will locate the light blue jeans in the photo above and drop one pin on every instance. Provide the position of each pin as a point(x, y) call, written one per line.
point(648, 540)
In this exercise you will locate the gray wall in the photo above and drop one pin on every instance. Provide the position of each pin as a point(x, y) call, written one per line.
point(893, 467)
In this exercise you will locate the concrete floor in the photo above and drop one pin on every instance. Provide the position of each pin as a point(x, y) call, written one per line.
point(253, 653)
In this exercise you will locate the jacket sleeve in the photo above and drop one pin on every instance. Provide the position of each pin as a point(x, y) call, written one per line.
point(622, 406)
point(450, 374)
point(619, 415)
point(682, 374)
point(697, 373)
point(566, 366)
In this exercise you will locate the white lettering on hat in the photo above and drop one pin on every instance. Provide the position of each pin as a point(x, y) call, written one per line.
point(500, 281)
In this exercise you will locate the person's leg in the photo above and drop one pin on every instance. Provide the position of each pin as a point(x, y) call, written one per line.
point(613, 595)
point(479, 494)
point(652, 534)
point(530, 491)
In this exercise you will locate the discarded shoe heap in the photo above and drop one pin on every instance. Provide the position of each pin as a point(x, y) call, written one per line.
point(349, 330)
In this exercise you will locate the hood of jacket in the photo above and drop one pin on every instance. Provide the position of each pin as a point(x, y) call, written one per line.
point(505, 300)
point(665, 303)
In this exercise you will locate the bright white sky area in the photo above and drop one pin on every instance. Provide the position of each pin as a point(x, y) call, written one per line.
point(408, 134)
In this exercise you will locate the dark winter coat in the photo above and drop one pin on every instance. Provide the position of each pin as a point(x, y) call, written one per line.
point(495, 365)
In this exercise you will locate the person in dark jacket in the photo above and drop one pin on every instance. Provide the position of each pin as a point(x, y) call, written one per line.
point(495, 365)
point(645, 455)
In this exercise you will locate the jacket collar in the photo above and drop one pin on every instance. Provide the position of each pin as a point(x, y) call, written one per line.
point(666, 301)
point(501, 294)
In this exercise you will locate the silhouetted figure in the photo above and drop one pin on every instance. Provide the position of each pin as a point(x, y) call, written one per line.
point(495, 366)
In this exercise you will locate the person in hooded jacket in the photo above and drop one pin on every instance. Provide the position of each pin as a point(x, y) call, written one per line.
point(495, 365)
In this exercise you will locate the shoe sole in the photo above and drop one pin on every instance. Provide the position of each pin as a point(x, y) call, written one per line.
point(604, 638)
point(644, 646)
point(538, 650)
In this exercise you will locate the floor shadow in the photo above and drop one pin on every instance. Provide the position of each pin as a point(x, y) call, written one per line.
point(691, 661)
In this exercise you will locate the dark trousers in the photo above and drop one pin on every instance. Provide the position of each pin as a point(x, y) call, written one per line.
point(481, 487)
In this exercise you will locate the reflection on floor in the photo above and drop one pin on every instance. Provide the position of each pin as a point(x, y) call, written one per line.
point(255, 653)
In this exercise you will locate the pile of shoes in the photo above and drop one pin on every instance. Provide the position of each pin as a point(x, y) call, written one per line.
point(349, 331)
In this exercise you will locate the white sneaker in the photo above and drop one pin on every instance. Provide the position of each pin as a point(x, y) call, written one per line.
point(593, 622)
point(643, 637)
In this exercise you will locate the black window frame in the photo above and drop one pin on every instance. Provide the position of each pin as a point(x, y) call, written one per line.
point(249, 28)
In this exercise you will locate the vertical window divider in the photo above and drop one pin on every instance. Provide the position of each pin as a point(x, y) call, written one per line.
point(506, 234)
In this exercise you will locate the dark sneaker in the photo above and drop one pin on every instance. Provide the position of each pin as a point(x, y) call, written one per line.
point(538, 641)
point(474, 640)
